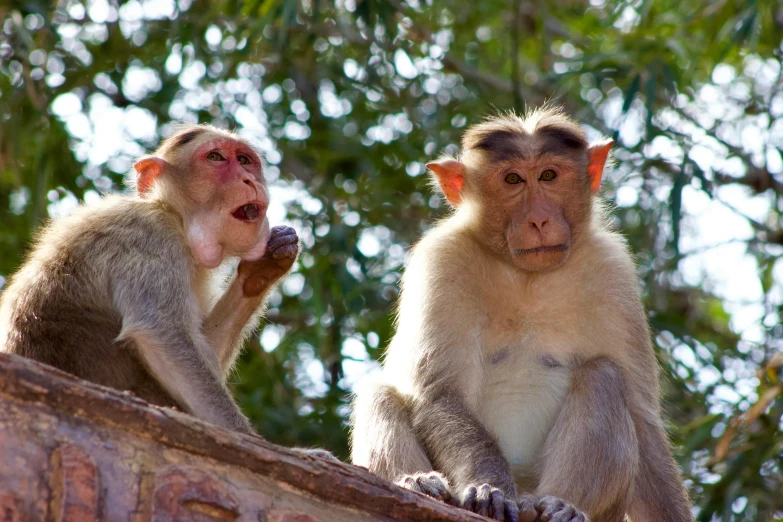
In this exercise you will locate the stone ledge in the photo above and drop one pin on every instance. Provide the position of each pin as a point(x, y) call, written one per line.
point(73, 451)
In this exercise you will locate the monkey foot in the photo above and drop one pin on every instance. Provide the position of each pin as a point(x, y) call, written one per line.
point(490, 502)
point(432, 484)
point(533, 508)
point(318, 452)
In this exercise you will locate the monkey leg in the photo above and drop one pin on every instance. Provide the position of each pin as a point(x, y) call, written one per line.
point(383, 441)
point(462, 447)
point(431, 483)
point(591, 454)
point(658, 493)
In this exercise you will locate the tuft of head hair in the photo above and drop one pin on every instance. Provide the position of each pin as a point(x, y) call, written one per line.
point(186, 133)
point(499, 128)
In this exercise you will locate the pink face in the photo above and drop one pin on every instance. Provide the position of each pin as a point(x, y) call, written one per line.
point(537, 201)
point(229, 196)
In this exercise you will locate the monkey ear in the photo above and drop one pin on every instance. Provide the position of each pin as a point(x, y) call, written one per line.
point(451, 177)
point(595, 167)
point(147, 171)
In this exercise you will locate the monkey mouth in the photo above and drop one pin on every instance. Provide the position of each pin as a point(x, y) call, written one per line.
point(541, 249)
point(248, 212)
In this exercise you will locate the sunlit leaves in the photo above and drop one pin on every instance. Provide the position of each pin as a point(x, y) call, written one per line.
point(349, 99)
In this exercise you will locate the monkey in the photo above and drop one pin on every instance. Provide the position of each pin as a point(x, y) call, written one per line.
point(522, 361)
point(126, 293)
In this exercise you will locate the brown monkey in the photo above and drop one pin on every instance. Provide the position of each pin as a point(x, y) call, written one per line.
point(522, 360)
point(122, 293)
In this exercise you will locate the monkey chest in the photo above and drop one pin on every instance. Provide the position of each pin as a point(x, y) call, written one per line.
point(519, 400)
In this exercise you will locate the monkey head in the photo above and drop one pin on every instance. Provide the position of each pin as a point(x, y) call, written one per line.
point(526, 184)
point(215, 181)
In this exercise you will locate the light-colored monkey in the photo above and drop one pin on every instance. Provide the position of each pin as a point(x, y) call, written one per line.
point(124, 293)
point(522, 361)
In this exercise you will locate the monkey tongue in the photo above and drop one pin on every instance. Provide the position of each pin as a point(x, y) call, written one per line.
point(247, 212)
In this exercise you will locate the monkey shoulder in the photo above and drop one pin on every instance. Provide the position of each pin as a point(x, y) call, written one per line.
point(608, 266)
point(446, 257)
point(439, 291)
point(65, 284)
point(119, 236)
point(611, 286)
point(127, 226)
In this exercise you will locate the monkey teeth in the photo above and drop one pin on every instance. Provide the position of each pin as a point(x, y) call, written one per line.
point(247, 212)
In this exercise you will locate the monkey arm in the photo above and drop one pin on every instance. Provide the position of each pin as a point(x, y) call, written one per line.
point(235, 314)
point(593, 437)
point(188, 370)
point(435, 359)
point(231, 320)
point(161, 316)
point(459, 445)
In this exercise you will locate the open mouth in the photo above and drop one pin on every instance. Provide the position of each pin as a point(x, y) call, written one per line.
point(541, 249)
point(249, 212)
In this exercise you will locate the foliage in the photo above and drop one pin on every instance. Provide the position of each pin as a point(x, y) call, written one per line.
point(349, 99)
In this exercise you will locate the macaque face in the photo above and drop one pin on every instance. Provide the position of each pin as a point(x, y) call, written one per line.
point(533, 202)
point(215, 181)
point(529, 186)
point(230, 201)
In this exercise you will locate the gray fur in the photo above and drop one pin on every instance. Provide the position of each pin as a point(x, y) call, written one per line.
point(113, 294)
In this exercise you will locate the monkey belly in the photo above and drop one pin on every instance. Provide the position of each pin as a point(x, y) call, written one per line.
point(520, 399)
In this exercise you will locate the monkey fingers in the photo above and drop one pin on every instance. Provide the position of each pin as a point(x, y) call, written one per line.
point(282, 247)
point(490, 502)
point(527, 508)
point(280, 236)
point(555, 510)
point(432, 484)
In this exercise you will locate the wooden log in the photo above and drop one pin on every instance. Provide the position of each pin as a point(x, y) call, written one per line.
point(73, 451)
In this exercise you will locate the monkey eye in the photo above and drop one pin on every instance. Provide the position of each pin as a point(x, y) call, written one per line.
point(215, 156)
point(244, 160)
point(513, 178)
point(548, 175)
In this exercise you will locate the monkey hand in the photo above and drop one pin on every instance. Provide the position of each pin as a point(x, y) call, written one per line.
point(490, 502)
point(432, 484)
point(281, 251)
point(533, 508)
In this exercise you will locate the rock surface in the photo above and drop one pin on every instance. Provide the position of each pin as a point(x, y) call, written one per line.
point(73, 451)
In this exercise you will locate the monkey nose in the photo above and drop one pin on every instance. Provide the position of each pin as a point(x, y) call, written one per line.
point(246, 178)
point(250, 181)
point(538, 224)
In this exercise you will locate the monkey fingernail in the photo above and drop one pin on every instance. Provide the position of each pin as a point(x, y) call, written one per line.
point(289, 251)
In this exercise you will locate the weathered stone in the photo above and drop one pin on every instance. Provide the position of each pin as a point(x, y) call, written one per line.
point(74, 485)
point(76, 451)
